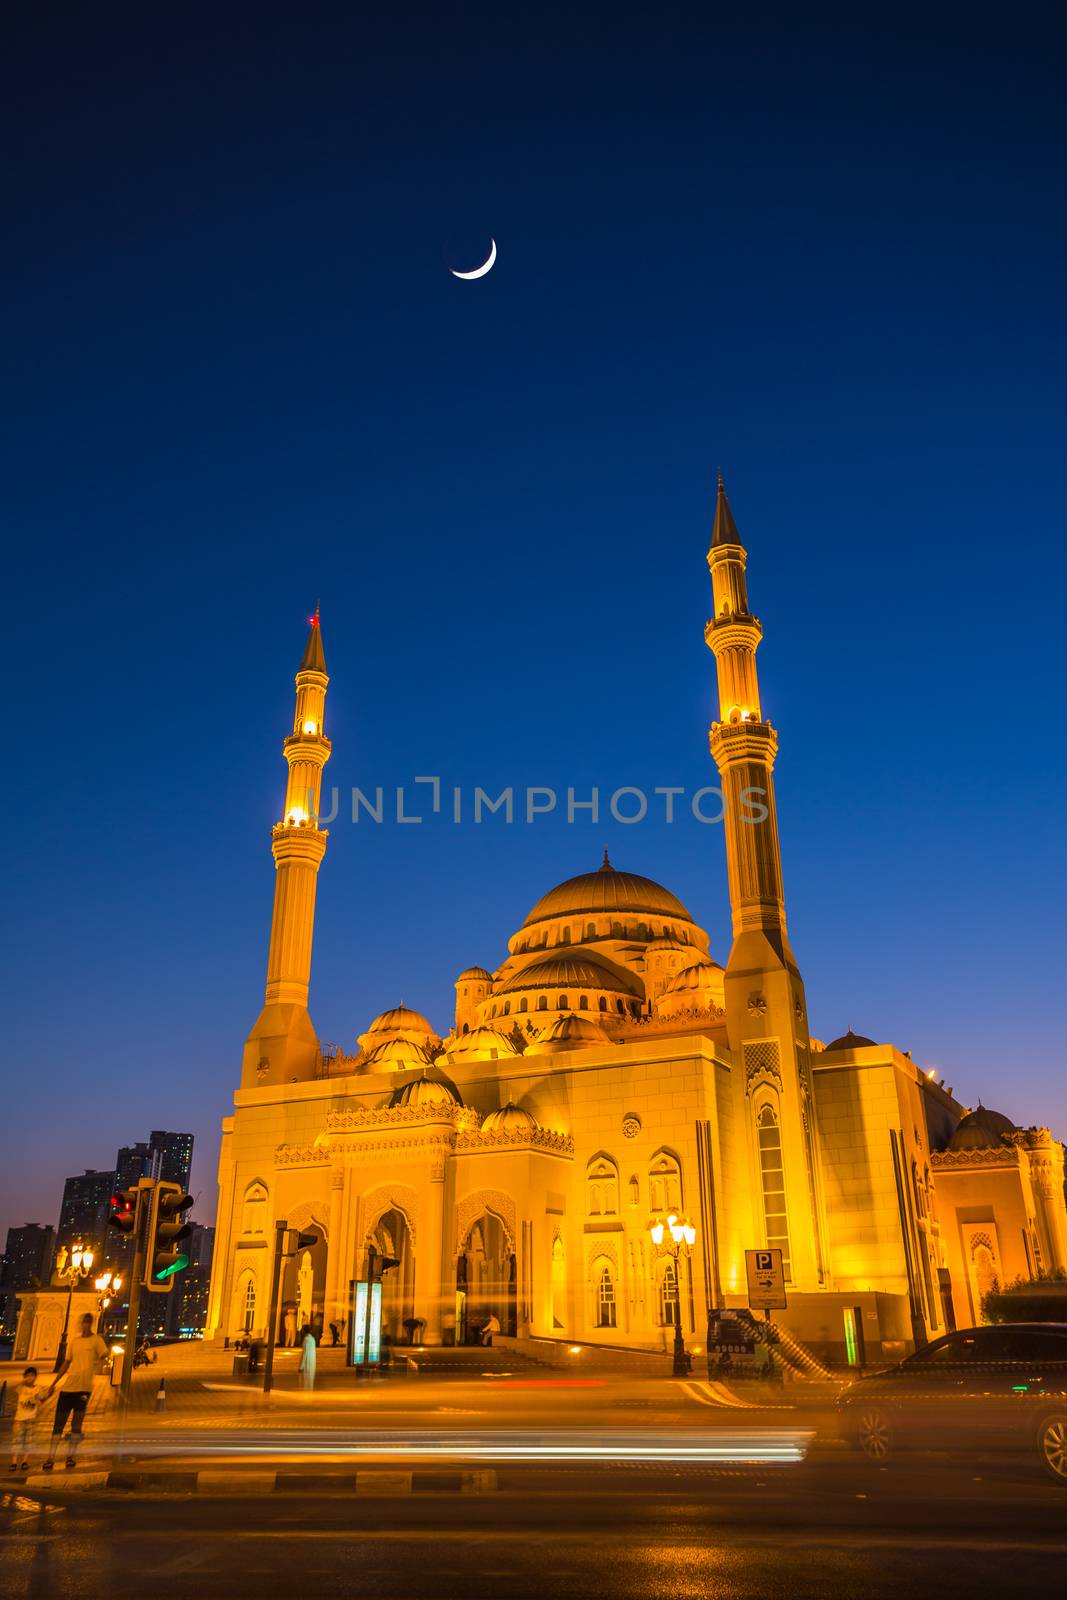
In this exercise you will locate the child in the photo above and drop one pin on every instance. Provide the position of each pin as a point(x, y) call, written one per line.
point(29, 1398)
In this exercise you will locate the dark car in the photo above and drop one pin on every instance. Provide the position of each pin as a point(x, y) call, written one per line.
point(979, 1391)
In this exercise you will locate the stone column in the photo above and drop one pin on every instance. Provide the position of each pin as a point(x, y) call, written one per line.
point(429, 1255)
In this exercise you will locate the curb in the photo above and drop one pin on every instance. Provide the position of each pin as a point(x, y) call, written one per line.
point(219, 1480)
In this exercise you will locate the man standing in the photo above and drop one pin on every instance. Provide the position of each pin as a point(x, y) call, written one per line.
point(85, 1358)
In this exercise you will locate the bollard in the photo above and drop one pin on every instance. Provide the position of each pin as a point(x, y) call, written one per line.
point(161, 1395)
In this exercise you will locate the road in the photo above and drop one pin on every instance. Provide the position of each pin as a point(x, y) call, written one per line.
point(573, 1532)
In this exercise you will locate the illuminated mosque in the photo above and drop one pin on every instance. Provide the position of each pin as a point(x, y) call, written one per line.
point(607, 1070)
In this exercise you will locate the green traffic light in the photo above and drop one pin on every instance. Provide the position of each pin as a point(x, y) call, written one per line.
point(177, 1265)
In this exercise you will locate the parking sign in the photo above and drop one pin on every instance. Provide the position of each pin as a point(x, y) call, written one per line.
point(766, 1280)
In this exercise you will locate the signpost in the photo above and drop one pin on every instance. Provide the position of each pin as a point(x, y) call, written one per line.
point(766, 1280)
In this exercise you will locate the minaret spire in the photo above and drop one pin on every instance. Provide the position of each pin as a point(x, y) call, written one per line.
point(283, 1045)
point(766, 1013)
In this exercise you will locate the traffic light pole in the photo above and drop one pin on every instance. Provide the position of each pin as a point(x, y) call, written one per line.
point(280, 1230)
point(144, 1205)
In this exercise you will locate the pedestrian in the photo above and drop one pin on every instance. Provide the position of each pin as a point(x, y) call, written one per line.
point(85, 1358)
point(30, 1397)
point(492, 1326)
point(307, 1357)
point(335, 1334)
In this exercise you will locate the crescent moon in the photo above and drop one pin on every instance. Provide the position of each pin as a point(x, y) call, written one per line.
point(479, 272)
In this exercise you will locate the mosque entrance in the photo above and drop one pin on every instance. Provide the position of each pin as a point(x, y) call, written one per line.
point(391, 1237)
point(303, 1296)
point(485, 1281)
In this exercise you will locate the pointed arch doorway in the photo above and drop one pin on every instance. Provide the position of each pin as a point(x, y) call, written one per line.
point(391, 1238)
point(486, 1274)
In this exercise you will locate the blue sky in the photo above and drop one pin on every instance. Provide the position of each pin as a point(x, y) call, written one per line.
point(825, 251)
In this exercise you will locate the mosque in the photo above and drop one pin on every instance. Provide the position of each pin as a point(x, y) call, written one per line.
point(609, 1070)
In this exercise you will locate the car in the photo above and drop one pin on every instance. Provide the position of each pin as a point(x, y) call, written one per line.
point(999, 1390)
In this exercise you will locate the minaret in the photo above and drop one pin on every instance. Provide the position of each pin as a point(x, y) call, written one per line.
point(283, 1046)
point(766, 1014)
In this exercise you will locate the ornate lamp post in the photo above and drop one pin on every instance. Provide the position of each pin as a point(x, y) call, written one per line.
point(676, 1235)
point(72, 1266)
point(107, 1285)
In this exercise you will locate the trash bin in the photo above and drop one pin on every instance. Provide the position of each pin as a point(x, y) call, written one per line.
point(240, 1364)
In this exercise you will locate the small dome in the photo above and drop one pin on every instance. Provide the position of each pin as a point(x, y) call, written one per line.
point(849, 1041)
point(475, 974)
point(481, 1044)
point(401, 1022)
point(571, 1031)
point(697, 976)
point(563, 972)
point(982, 1129)
point(426, 1093)
point(509, 1119)
point(393, 1055)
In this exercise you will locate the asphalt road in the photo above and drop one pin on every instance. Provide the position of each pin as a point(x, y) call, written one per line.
point(820, 1528)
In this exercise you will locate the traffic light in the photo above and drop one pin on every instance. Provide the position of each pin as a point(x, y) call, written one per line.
point(123, 1211)
point(166, 1231)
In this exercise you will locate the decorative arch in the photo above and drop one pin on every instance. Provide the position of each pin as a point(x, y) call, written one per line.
point(307, 1215)
point(497, 1203)
point(389, 1197)
point(254, 1206)
point(665, 1181)
point(602, 1185)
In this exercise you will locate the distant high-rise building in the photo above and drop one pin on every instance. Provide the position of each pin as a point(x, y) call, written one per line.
point(84, 1213)
point(133, 1162)
point(27, 1263)
point(172, 1156)
point(187, 1305)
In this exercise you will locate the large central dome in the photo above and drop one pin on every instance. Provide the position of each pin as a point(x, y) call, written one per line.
point(607, 891)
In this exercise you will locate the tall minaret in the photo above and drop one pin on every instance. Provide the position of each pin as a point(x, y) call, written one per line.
point(283, 1045)
point(766, 1014)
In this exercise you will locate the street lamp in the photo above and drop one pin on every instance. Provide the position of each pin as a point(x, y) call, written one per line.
point(108, 1284)
point(72, 1266)
point(675, 1234)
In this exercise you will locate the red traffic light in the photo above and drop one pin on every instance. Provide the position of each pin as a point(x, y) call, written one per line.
point(123, 1211)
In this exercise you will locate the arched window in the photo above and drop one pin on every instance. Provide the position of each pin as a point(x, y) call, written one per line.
point(772, 1180)
point(664, 1183)
point(507, 1008)
point(590, 930)
point(602, 1186)
point(603, 1004)
point(583, 1002)
point(466, 1027)
point(561, 1003)
point(524, 1004)
point(635, 1191)
point(565, 936)
point(620, 1008)
point(668, 1295)
point(248, 1310)
point(606, 1310)
point(542, 1002)
point(255, 1209)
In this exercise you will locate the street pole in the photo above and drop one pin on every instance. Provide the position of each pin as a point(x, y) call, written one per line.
point(680, 1364)
point(144, 1201)
point(280, 1230)
point(61, 1353)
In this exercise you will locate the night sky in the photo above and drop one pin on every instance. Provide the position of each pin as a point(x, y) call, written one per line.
point(822, 248)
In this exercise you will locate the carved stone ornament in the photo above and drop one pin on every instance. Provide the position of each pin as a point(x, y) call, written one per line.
point(757, 1005)
point(631, 1126)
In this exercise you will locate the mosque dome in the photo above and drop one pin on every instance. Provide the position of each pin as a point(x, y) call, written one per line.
point(509, 1119)
point(426, 1093)
point(393, 1054)
point(563, 972)
point(608, 891)
point(571, 1031)
point(849, 1041)
point(700, 986)
point(481, 1044)
point(475, 975)
point(401, 1022)
point(982, 1129)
